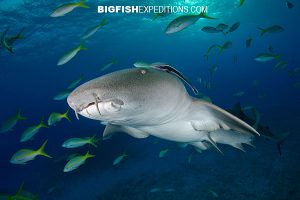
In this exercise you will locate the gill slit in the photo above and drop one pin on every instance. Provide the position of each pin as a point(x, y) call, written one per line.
point(97, 100)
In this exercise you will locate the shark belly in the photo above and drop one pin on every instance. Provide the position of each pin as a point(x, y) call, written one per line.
point(177, 131)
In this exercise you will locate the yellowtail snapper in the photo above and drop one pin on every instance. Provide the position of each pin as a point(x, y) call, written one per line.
point(57, 117)
point(11, 122)
point(76, 162)
point(78, 142)
point(91, 31)
point(32, 131)
point(22, 156)
point(120, 158)
point(67, 8)
point(71, 54)
point(184, 21)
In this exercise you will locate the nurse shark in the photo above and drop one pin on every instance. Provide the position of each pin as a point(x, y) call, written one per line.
point(148, 101)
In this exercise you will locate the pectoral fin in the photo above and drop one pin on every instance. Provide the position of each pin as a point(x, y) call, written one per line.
point(110, 129)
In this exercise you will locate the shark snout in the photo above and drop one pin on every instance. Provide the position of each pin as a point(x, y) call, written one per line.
point(71, 103)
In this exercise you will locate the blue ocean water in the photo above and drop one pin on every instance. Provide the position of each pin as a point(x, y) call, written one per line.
point(30, 78)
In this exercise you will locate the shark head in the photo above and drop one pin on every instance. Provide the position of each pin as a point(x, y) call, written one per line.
point(130, 96)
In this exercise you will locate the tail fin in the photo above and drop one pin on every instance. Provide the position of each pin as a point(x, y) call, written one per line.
point(114, 61)
point(103, 22)
point(277, 57)
point(241, 3)
point(221, 48)
point(20, 117)
point(125, 154)
point(65, 115)
point(20, 190)
point(20, 34)
point(42, 123)
point(204, 15)
point(82, 47)
point(155, 16)
point(94, 141)
point(262, 31)
point(41, 150)
point(82, 4)
point(88, 155)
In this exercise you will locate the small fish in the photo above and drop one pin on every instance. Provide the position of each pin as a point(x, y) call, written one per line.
point(241, 2)
point(67, 8)
point(51, 189)
point(3, 41)
point(213, 193)
point(170, 190)
point(120, 158)
point(91, 31)
point(24, 155)
point(222, 27)
point(141, 64)
point(184, 21)
point(22, 195)
point(239, 94)
point(78, 142)
point(153, 190)
point(10, 40)
point(32, 131)
point(271, 29)
point(167, 11)
point(75, 82)
point(234, 27)
point(247, 108)
point(249, 42)
point(280, 65)
point(162, 153)
point(108, 65)
point(62, 95)
point(213, 69)
point(289, 5)
point(76, 162)
point(226, 45)
point(209, 50)
point(11, 122)
point(56, 117)
point(294, 72)
point(190, 157)
point(182, 145)
point(264, 57)
point(71, 54)
point(210, 29)
point(199, 79)
point(155, 141)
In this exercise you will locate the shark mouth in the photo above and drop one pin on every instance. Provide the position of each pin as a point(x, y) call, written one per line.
point(85, 107)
